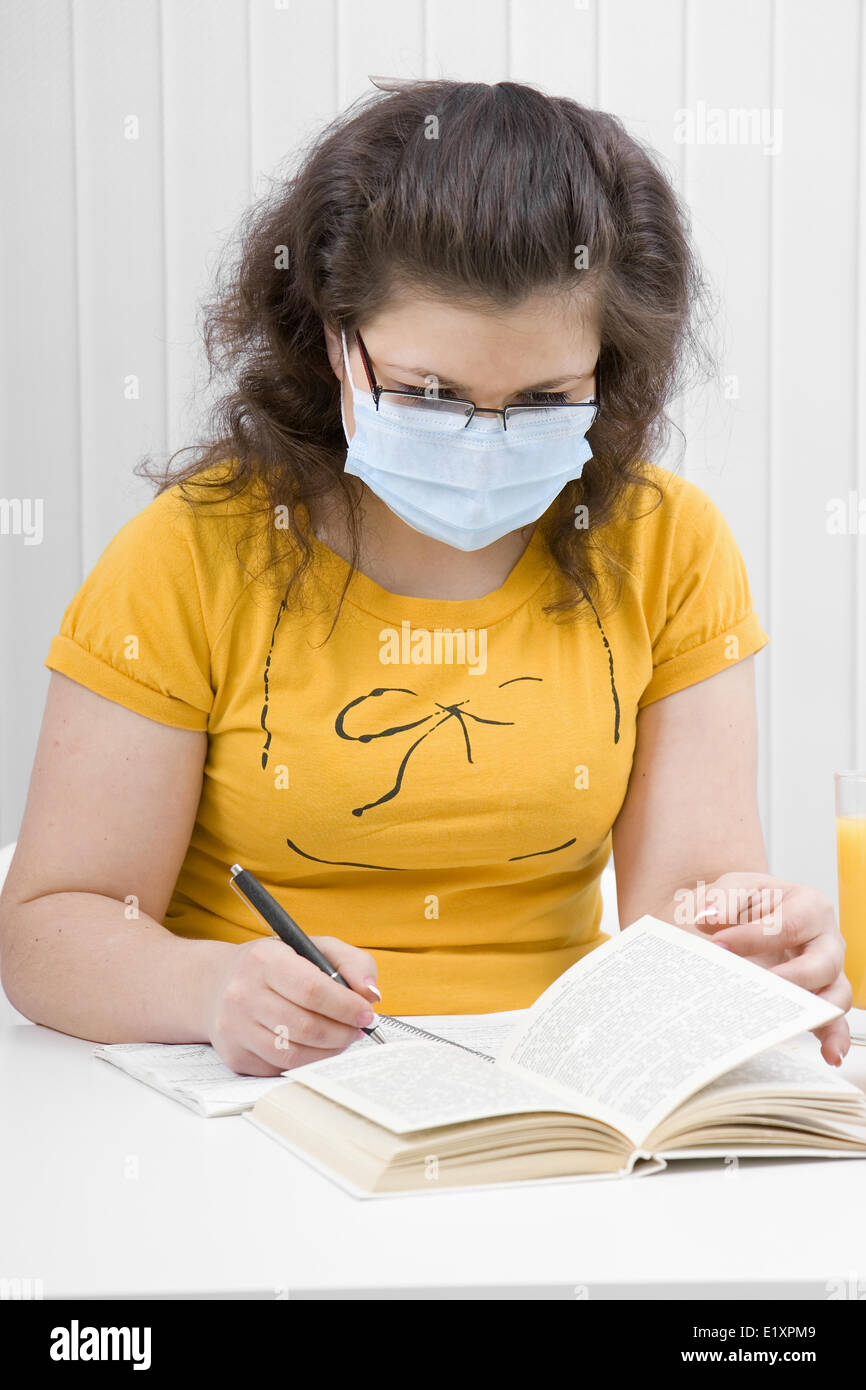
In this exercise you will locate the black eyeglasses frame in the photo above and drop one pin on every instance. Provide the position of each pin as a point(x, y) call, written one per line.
point(378, 391)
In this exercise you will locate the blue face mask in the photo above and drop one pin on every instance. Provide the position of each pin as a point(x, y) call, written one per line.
point(465, 487)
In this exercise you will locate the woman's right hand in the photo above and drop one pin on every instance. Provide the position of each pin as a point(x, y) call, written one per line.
point(270, 1009)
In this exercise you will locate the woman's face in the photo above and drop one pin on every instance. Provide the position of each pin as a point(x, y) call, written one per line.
point(549, 345)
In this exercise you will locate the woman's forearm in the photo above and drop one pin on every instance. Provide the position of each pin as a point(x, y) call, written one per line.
point(76, 963)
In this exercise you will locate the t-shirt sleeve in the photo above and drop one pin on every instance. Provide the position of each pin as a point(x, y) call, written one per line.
point(702, 614)
point(135, 631)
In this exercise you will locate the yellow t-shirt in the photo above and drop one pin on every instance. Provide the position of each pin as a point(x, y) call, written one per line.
point(437, 781)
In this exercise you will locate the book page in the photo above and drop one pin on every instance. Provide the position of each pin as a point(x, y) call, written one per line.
point(787, 1081)
point(789, 1069)
point(195, 1075)
point(482, 1033)
point(644, 1020)
point(411, 1085)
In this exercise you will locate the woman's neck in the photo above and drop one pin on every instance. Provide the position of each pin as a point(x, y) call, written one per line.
point(403, 561)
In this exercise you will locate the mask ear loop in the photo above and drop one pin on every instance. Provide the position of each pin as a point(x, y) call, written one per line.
point(343, 383)
point(346, 358)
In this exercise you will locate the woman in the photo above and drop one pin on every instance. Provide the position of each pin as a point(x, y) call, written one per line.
point(421, 686)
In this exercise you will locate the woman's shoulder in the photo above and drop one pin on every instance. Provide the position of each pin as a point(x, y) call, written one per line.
point(687, 573)
point(196, 546)
point(215, 519)
point(662, 498)
point(667, 521)
point(141, 627)
point(194, 501)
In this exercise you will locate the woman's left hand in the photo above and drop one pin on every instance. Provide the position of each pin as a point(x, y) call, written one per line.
point(790, 929)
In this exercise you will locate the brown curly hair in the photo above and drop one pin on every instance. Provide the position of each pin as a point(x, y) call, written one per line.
point(487, 213)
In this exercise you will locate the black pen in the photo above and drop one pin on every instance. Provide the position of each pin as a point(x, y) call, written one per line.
point(259, 899)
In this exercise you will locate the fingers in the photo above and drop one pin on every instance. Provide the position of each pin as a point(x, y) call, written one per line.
point(287, 1021)
point(818, 966)
point(247, 1062)
point(835, 1036)
point(835, 1039)
point(283, 1038)
point(274, 1010)
point(735, 898)
point(791, 929)
point(815, 964)
point(816, 946)
point(267, 1053)
point(285, 1051)
point(355, 965)
point(304, 1016)
point(300, 982)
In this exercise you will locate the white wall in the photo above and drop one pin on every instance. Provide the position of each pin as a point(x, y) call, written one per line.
point(107, 244)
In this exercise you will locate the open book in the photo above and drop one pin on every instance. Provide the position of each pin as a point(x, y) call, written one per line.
point(655, 1045)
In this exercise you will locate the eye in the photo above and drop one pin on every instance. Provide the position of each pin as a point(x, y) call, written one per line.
point(547, 397)
point(534, 397)
point(420, 390)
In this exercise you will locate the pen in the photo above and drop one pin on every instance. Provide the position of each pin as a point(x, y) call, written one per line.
point(256, 896)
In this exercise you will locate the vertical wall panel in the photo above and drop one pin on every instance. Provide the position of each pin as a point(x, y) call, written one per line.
point(858, 748)
point(727, 187)
point(642, 80)
point(467, 43)
point(554, 47)
point(292, 80)
point(813, 390)
point(205, 93)
point(387, 42)
point(643, 94)
point(121, 261)
point(39, 450)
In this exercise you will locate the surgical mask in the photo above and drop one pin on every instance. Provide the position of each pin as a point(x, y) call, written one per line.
point(465, 487)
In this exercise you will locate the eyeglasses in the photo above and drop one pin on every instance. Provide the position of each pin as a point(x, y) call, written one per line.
point(450, 414)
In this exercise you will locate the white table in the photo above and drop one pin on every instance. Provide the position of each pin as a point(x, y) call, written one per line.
point(110, 1189)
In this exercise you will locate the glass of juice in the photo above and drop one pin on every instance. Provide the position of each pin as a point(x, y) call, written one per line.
point(851, 861)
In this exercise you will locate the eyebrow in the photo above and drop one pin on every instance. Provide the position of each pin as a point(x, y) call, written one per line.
point(456, 386)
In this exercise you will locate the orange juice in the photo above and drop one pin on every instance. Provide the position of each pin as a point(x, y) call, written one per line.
point(851, 858)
